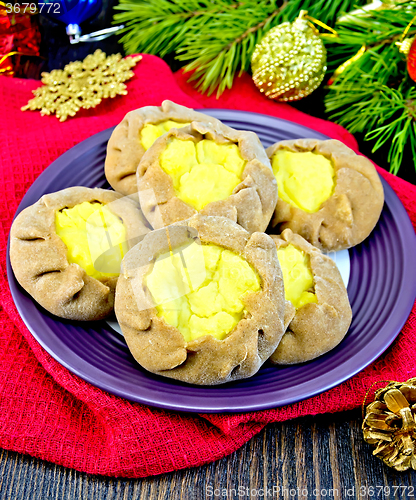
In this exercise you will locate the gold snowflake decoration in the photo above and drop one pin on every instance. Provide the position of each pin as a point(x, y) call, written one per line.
point(82, 84)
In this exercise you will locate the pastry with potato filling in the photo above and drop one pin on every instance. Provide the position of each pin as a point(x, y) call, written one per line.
point(317, 309)
point(328, 194)
point(202, 172)
point(304, 180)
point(202, 301)
point(65, 249)
point(205, 297)
point(211, 169)
point(297, 276)
point(135, 135)
point(90, 230)
point(150, 132)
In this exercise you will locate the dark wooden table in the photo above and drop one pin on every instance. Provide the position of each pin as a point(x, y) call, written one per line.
point(321, 457)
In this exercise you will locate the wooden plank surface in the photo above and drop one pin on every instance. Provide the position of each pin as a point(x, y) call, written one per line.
point(322, 457)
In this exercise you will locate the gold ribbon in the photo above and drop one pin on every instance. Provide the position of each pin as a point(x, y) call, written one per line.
point(404, 45)
point(8, 69)
point(369, 389)
point(13, 53)
point(334, 34)
point(345, 64)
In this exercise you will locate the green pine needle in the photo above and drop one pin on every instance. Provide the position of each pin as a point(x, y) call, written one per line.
point(374, 94)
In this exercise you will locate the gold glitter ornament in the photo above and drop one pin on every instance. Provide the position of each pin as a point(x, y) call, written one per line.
point(82, 84)
point(389, 424)
point(289, 62)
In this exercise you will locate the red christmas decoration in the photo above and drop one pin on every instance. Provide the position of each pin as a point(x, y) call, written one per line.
point(411, 61)
point(19, 38)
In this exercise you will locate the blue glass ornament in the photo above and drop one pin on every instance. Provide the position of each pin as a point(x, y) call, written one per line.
point(70, 12)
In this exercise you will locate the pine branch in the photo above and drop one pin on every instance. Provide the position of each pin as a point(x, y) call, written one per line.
point(161, 26)
point(374, 30)
point(217, 55)
point(400, 129)
point(374, 94)
point(216, 38)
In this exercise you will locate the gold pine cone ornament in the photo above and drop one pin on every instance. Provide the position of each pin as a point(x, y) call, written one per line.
point(289, 62)
point(389, 425)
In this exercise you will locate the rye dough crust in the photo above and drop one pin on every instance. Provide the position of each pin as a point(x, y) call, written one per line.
point(161, 348)
point(252, 201)
point(349, 215)
point(315, 328)
point(39, 257)
point(125, 150)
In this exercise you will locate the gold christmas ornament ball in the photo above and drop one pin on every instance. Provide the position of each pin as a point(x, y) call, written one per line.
point(289, 62)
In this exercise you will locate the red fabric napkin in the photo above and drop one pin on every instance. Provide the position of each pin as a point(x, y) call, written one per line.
point(48, 412)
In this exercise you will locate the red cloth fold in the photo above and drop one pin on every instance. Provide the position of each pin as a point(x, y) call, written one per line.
point(48, 412)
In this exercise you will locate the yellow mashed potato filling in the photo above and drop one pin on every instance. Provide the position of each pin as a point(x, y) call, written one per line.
point(94, 236)
point(202, 172)
point(305, 180)
point(150, 132)
point(199, 289)
point(297, 276)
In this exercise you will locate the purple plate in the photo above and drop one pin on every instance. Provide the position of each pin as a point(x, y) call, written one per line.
point(381, 290)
